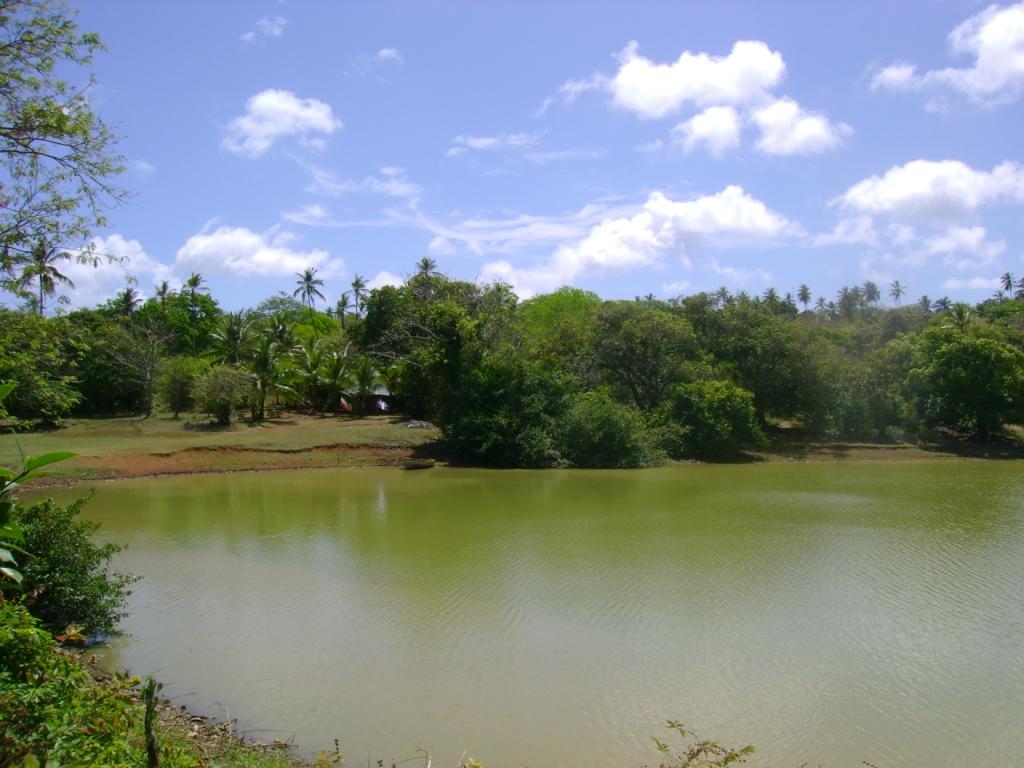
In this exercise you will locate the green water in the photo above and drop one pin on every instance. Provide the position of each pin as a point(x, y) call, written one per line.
point(827, 613)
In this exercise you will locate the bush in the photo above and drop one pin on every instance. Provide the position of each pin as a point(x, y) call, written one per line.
point(222, 389)
point(176, 380)
point(599, 431)
point(71, 571)
point(710, 419)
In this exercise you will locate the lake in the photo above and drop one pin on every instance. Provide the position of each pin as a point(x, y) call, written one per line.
point(827, 613)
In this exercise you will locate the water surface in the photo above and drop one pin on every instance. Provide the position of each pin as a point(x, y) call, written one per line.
point(827, 613)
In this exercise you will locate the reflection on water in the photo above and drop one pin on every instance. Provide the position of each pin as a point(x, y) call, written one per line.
point(828, 613)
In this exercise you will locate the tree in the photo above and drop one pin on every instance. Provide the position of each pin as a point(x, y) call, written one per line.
point(162, 292)
point(195, 283)
point(57, 155)
point(341, 308)
point(897, 291)
point(42, 268)
point(710, 419)
point(308, 287)
point(365, 380)
point(125, 302)
point(231, 338)
point(871, 292)
point(426, 267)
point(222, 389)
point(1008, 282)
point(176, 380)
point(143, 347)
point(264, 366)
point(943, 304)
point(36, 354)
point(358, 292)
point(803, 295)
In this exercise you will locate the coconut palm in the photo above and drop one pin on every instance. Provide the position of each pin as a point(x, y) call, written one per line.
point(925, 303)
point(309, 361)
point(358, 292)
point(231, 339)
point(265, 364)
point(195, 284)
point(336, 376)
point(365, 379)
point(426, 266)
point(897, 291)
point(162, 293)
point(871, 292)
point(803, 295)
point(342, 307)
point(960, 315)
point(1008, 282)
point(1019, 295)
point(942, 305)
point(308, 287)
point(42, 269)
point(127, 301)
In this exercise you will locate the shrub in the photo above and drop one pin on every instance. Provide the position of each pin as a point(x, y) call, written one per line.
point(176, 381)
point(70, 570)
point(710, 419)
point(599, 431)
point(222, 389)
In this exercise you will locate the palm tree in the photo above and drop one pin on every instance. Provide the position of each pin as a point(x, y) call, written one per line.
point(871, 292)
point(336, 376)
point(309, 285)
point(341, 308)
point(1007, 282)
point(1019, 295)
point(162, 293)
point(232, 338)
point(897, 292)
point(309, 360)
point(265, 366)
point(803, 295)
point(358, 292)
point(426, 266)
point(961, 316)
point(365, 378)
point(194, 284)
point(42, 267)
point(943, 304)
point(925, 303)
point(771, 297)
point(127, 301)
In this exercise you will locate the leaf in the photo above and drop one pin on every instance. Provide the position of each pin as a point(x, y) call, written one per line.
point(12, 573)
point(5, 390)
point(32, 464)
point(7, 557)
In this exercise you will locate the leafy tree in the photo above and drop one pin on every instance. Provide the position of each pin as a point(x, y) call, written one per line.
point(710, 419)
point(36, 355)
point(97, 346)
point(71, 571)
point(222, 389)
point(57, 154)
point(140, 349)
point(176, 380)
point(600, 431)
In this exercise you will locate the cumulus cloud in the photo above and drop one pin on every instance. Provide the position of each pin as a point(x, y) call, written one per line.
point(143, 167)
point(859, 230)
point(274, 114)
point(788, 129)
point(662, 228)
point(384, 278)
point(994, 38)
point(675, 288)
point(464, 142)
point(390, 54)
point(392, 182)
point(121, 261)
point(244, 253)
point(716, 128)
point(745, 76)
point(935, 190)
point(266, 27)
point(979, 283)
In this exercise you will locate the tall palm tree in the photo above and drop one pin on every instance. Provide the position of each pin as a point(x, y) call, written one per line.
point(342, 307)
point(308, 287)
point(309, 360)
point(162, 293)
point(426, 266)
point(264, 363)
point(925, 303)
point(358, 292)
point(231, 339)
point(897, 291)
point(194, 284)
point(803, 295)
point(871, 292)
point(42, 268)
point(1008, 282)
point(336, 376)
point(1019, 295)
point(943, 304)
point(127, 301)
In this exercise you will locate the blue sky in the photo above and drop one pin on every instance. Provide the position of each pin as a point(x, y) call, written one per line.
point(626, 148)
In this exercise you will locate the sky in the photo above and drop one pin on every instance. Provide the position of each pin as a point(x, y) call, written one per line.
point(624, 148)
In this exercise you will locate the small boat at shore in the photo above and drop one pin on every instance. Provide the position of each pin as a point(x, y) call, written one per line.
point(418, 463)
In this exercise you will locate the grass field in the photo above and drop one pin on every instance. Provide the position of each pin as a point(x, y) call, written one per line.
point(132, 447)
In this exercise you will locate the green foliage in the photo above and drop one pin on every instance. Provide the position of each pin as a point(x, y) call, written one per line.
point(98, 347)
point(600, 431)
point(35, 355)
point(56, 153)
point(221, 390)
point(70, 571)
point(710, 419)
point(697, 753)
point(176, 380)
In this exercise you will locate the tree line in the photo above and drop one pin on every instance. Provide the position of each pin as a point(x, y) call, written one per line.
point(562, 379)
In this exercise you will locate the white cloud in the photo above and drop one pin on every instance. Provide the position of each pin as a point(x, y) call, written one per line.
point(972, 284)
point(545, 156)
point(121, 261)
point(275, 114)
point(441, 246)
point(389, 54)
point(739, 276)
point(663, 227)
point(266, 27)
point(935, 190)
point(651, 90)
point(674, 288)
point(242, 252)
point(716, 128)
point(789, 129)
point(464, 142)
point(859, 230)
point(143, 167)
point(384, 278)
point(965, 248)
point(392, 182)
point(994, 38)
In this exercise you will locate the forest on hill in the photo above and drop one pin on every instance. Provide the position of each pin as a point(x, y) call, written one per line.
point(561, 379)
